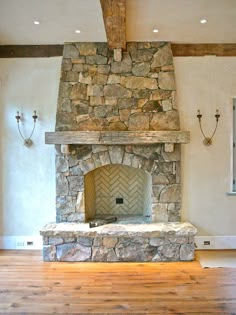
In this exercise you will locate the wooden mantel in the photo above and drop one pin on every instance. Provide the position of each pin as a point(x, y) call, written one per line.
point(116, 137)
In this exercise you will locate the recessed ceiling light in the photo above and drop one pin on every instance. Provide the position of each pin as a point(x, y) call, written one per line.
point(203, 21)
point(36, 22)
point(155, 30)
point(77, 31)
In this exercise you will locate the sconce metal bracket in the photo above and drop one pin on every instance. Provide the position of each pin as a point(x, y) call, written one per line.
point(208, 140)
point(26, 141)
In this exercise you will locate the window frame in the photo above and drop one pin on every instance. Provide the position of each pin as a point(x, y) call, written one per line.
point(234, 148)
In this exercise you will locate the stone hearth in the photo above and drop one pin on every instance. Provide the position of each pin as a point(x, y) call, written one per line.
point(118, 124)
point(119, 242)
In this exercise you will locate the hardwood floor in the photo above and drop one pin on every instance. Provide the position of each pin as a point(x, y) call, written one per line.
point(30, 286)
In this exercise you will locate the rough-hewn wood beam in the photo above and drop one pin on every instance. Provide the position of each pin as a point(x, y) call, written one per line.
point(25, 51)
point(116, 137)
point(220, 50)
point(114, 12)
point(35, 51)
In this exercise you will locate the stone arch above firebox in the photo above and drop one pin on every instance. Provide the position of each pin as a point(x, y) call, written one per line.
point(163, 167)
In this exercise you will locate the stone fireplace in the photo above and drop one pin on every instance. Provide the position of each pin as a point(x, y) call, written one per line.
point(118, 154)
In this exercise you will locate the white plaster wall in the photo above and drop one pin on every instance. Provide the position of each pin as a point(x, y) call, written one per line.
point(207, 83)
point(27, 183)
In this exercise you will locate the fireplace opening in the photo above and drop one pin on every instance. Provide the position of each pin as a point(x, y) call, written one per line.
point(118, 190)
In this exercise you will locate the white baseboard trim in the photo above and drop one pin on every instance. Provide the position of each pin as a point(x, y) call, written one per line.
point(35, 242)
point(21, 242)
point(216, 242)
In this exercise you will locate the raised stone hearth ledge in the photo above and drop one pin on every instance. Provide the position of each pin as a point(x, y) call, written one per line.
point(116, 137)
point(119, 242)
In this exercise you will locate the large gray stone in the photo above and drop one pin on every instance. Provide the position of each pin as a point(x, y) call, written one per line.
point(64, 105)
point(134, 250)
point(133, 82)
point(75, 217)
point(102, 49)
point(85, 78)
point(87, 165)
point(109, 242)
point(113, 79)
point(171, 194)
point(159, 212)
point(123, 66)
point(141, 55)
point(187, 252)
point(144, 150)
point(127, 103)
point(65, 204)
point(55, 240)
point(49, 253)
point(141, 69)
point(65, 89)
point(157, 241)
point(139, 121)
point(100, 111)
point(116, 154)
point(117, 126)
point(104, 158)
point(105, 69)
point(165, 121)
point(166, 80)
point(62, 164)
point(103, 254)
point(160, 95)
point(61, 185)
point(169, 252)
point(65, 122)
point(66, 64)
point(76, 170)
point(100, 79)
point(70, 51)
point(87, 49)
point(85, 241)
point(116, 91)
point(94, 124)
point(162, 57)
point(96, 59)
point(79, 91)
point(76, 183)
point(72, 76)
point(73, 252)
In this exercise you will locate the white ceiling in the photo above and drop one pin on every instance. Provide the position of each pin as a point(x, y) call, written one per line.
point(177, 20)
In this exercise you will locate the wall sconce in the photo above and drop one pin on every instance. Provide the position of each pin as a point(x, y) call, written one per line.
point(27, 141)
point(208, 140)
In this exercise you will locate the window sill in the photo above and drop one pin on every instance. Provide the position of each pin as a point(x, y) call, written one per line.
point(232, 193)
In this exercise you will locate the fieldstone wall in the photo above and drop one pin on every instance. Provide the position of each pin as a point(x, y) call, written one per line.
point(98, 93)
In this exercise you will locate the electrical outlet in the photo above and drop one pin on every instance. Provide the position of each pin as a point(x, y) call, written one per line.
point(207, 243)
point(20, 244)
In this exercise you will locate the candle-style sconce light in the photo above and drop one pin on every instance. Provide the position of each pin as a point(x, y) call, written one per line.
point(208, 140)
point(27, 141)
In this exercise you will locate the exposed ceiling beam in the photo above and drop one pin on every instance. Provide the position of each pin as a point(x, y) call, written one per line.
point(31, 51)
point(114, 16)
point(220, 50)
point(179, 50)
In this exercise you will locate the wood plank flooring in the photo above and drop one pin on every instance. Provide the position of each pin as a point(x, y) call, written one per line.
point(30, 286)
